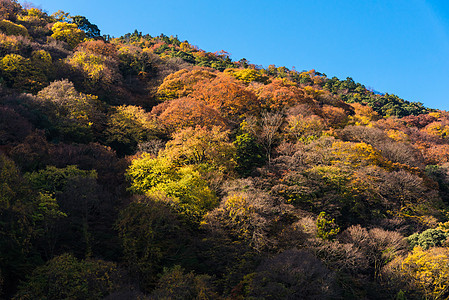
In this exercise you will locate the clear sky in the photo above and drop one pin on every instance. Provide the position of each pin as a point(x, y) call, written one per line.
point(396, 46)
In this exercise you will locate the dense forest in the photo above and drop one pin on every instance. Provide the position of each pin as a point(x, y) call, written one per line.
point(143, 167)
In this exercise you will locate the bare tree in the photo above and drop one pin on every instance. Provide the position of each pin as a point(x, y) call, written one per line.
point(271, 122)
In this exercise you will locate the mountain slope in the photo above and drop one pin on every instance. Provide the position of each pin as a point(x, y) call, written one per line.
point(145, 167)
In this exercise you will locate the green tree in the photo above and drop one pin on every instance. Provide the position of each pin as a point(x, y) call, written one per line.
point(428, 238)
point(326, 228)
point(53, 180)
point(249, 153)
point(133, 62)
point(16, 223)
point(66, 277)
point(152, 236)
point(26, 216)
point(78, 196)
point(83, 23)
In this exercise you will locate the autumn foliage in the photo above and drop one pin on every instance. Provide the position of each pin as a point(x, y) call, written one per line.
point(143, 167)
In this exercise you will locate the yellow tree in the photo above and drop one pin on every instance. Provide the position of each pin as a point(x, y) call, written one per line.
point(305, 128)
point(246, 75)
point(426, 271)
point(68, 32)
point(98, 69)
point(26, 74)
point(181, 187)
point(11, 28)
point(364, 115)
point(128, 126)
point(201, 146)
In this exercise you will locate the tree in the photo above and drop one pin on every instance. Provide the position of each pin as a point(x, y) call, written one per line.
point(14, 128)
point(35, 21)
point(32, 153)
point(93, 156)
point(181, 113)
point(227, 95)
point(42, 62)
point(75, 116)
point(245, 214)
point(128, 126)
point(326, 229)
point(10, 28)
point(428, 238)
point(281, 94)
point(379, 246)
point(77, 194)
point(23, 73)
point(249, 153)
point(363, 115)
point(176, 284)
point(65, 277)
point(400, 152)
point(52, 179)
point(247, 75)
point(98, 47)
point(438, 128)
point(16, 226)
point(335, 116)
point(25, 216)
point(271, 123)
point(181, 187)
point(201, 146)
point(424, 271)
point(355, 155)
point(152, 236)
point(100, 72)
point(68, 32)
point(419, 121)
point(305, 128)
point(136, 63)
point(9, 9)
point(83, 23)
point(181, 83)
point(436, 154)
point(292, 274)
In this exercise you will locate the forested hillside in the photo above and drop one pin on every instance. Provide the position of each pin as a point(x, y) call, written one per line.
point(143, 167)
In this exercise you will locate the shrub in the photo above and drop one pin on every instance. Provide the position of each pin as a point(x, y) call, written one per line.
point(11, 28)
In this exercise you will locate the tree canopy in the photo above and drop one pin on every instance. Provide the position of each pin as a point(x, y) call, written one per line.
point(143, 167)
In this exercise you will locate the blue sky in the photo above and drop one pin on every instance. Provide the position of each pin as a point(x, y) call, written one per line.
point(400, 47)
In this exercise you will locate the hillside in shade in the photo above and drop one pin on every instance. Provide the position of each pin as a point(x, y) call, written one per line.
point(143, 167)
